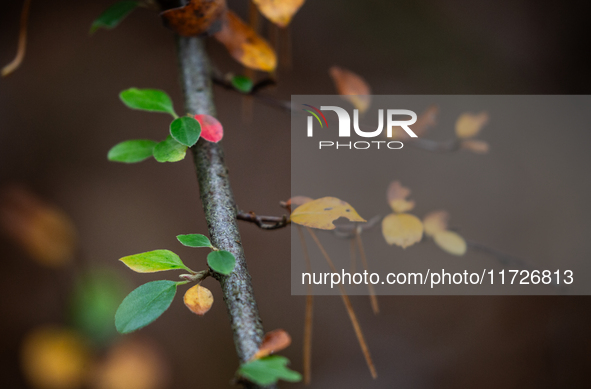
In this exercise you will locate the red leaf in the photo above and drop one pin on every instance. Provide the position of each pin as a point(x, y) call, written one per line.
point(211, 128)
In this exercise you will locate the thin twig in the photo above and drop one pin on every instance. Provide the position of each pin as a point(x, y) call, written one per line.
point(264, 222)
point(372, 293)
point(349, 308)
point(22, 42)
point(309, 314)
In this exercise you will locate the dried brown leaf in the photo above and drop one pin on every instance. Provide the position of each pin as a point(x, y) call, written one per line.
point(195, 18)
point(469, 124)
point(198, 299)
point(397, 195)
point(352, 87)
point(279, 12)
point(273, 341)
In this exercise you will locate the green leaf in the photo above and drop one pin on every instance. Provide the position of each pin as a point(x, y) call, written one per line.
point(113, 15)
point(132, 151)
point(152, 100)
point(194, 240)
point(169, 150)
point(221, 261)
point(269, 370)
point(144, 305)
point(185, 130)
point(153, 261)
point(242, 83)
point(93, 302)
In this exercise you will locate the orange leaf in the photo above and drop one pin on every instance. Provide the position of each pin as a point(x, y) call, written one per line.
point(469, 125)
point(131, 364)
point(245, 45)
point(397, 195)
point(279, 12)
point(402, 229)
point(322, 212)
point(352, 87)
point(274, 341)
point(195, 18)
point(475, 146)
point(435, 221)
point(450, 242)
point(45, 232)
point(198, 299)
point(426, 120)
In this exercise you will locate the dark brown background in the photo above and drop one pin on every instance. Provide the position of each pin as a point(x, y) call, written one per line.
point(59, 114)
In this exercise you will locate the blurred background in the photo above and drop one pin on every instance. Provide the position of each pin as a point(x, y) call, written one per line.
point(60, 114)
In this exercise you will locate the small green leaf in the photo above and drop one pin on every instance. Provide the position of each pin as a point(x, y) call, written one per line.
point(242, 83)
point(152, 100)
point(153, 261)
point(132, 151)
point(269, 370)
point(113, 15)
point(194, 240)
point(185, 130)
point(169, 150)
point(221, 261)
point(144, 305)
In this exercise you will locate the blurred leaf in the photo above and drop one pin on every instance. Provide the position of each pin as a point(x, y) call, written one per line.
point(198, 299)
point(194, 240)
point(154, 261)
point(274, 341)
point(402, 229)
point(195, 18)
point(242, 83)
point(450, 242)
point(132, 151)
point(397, 195)
point(221, 261)
point(435, 221)
point(279, 12)
point(144, 305)
point(245, 45)
point(152, 100)
point(352, 87)
point(475, 146)
point(185, 130)
point(469, 125)
point(169, 150)
point(94, 302)
point(211, 128)
point(113, 15)
point(269, 370)
point(54, 358)
point(322, 212)
point(131, 364)
point(45, 232)
point(426, 120)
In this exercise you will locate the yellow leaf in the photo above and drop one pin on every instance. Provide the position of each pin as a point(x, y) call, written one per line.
point(397, 195)
point(198, 299)
point(475, 146)
point(54, 358)
point(435, 221)
point(131, 364)
point(322, 212)
point(402, 229)
point(279, 12)
point(274, 341)
point(450, 242)
point(245, 45)
point(352, 87)
point(469, 125)
point(44, 231)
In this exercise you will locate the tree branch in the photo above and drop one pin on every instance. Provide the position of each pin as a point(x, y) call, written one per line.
point(264, 222)
point(218, 202)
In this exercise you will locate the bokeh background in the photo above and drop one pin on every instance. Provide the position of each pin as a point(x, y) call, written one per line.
point(59, 115)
